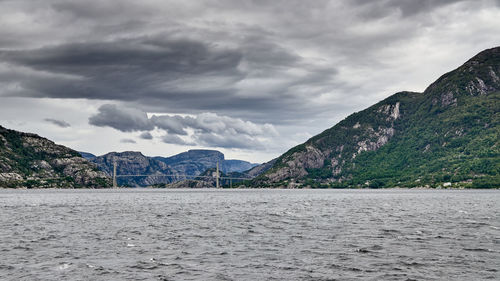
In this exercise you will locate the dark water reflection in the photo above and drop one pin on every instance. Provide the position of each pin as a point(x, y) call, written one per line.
point(141, 234)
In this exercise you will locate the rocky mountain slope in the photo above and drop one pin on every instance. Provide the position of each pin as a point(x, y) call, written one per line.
point(28, 160)
point(446, 136)
point(134, 163)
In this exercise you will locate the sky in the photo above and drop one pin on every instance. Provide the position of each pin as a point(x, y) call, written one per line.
point(249, 78)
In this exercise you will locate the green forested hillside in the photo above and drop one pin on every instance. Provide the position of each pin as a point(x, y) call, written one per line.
point(457, 145)
point(446, 136)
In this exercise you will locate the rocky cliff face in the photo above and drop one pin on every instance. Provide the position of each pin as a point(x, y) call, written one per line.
point(479, 76)
point(28, 160)
point(327, 155)
point(193, 162)
point(134, 163)
point(449, 133)
point(196, 161)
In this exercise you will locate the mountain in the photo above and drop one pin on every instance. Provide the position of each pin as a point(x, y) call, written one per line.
point(135, 163)
point(28, 160)
point(260, 169)
point(86, 155)
point(193, 162)
point(232, 165)
point(164, 170)
point(197, 161)
point(446, 136)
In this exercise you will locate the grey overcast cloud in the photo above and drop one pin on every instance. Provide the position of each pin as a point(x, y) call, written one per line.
point(248, 78)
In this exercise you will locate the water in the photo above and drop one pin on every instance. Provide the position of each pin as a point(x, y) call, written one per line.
point(146, 234)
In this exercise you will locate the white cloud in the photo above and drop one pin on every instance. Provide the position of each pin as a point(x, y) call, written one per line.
point(207, 129)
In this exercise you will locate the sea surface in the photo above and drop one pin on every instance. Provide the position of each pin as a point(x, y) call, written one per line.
point(209, 234)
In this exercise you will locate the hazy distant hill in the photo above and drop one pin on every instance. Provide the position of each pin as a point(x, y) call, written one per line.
point(229, 166)
point(28, 160)
point(447, 135)
point(260, 169)
point(86, 155)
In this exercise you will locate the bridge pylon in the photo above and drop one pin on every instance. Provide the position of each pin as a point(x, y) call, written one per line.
point(114, 174)
point(217, 176)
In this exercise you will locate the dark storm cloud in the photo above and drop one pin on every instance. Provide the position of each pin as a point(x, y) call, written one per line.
point(170, 73)
point(82, 9)
point(406, 8)
point(147, 54)
point(146, 136)
point(171, 124)
point(174, 139)
point(207, 129)
point(280, 62)
point(128, 119)
point(122, 119)
point(124, 69)
point(60, 123)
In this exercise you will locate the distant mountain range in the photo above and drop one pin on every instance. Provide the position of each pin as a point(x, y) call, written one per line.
point(30, 161)
point(86, 155)
point(161, 170)
point(134, 163)
point(447, 136)
point(197, 161)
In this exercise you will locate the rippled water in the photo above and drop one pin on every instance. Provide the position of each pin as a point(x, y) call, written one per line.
point(146, 234)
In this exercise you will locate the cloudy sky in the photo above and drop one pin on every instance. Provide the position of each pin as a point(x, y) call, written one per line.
point(249, 78)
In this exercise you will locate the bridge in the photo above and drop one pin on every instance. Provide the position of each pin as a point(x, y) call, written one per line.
point(184, 176)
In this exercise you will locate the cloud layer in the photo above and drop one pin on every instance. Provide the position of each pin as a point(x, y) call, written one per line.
point(206, 129)
point(241, 59)
point(215, 72)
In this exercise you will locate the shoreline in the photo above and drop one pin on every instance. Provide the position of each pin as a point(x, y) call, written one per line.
point(247, 188)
